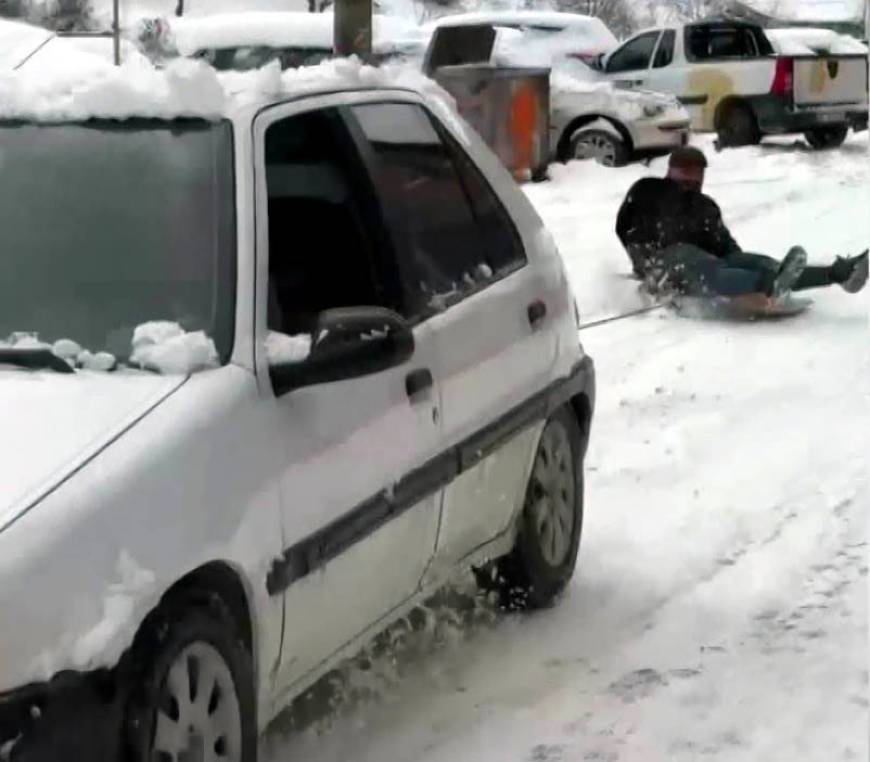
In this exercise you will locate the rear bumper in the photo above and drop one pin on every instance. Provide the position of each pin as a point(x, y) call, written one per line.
point(777, 116)
point(74, 716)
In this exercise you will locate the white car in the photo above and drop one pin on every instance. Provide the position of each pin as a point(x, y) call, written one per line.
point(733, 82)
point(589, 117)
point(260, 399)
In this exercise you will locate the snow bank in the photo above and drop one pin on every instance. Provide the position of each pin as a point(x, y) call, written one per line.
point(167, 348)
point(17, 41)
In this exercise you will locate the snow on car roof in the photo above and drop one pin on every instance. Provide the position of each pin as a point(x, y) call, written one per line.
point(190, 88)
point(809, 40)
point(590, 26)
point(272, 29)
point(588, 29)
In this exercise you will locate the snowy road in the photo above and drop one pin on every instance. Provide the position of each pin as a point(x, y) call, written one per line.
point(720, 607)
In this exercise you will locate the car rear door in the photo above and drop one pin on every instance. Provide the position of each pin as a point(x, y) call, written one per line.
point(722, 60)
point(467, 275)
point(360, 511)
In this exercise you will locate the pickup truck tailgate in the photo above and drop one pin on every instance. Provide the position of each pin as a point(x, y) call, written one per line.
point(827, 81)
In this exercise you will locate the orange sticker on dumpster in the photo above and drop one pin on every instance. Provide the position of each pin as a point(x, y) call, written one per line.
point(524, 119)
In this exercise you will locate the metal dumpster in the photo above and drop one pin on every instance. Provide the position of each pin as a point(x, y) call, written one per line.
point(508, 106)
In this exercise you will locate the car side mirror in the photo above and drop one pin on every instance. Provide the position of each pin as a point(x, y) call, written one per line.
point(348, 342)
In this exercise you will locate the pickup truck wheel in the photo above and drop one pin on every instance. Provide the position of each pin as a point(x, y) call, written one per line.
point(737, 127)
point(548, 534)
point(827, 137)
point(605, 148)
point(193, 697)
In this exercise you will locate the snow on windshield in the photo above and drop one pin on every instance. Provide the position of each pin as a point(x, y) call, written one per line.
point(160, 346)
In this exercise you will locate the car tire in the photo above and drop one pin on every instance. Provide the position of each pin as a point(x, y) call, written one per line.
point(544, 555)
point(737, 126)
point(822, 138)
point(192, 687)
point(603, 147)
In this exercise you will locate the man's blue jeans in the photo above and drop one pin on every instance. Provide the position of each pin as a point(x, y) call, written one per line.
point(690, 270)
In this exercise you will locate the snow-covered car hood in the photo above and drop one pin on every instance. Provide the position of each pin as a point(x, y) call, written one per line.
point(572, 94)
point(50, 424)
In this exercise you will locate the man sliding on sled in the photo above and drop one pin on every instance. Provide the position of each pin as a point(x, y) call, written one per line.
point(678, 244)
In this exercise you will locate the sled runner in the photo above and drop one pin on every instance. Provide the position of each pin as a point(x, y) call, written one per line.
point(723, 308)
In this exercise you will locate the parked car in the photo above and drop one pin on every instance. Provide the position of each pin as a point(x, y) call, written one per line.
point(731, 80)
point(589, 118)
point(242, 41)
point(337, 360)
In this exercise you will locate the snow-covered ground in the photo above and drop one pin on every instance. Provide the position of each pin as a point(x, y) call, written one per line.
point(720, 606)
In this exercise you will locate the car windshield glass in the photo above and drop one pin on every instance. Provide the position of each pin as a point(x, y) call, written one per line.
point(106, 226)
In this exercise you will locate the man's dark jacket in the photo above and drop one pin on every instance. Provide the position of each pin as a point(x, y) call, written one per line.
point(659, 212)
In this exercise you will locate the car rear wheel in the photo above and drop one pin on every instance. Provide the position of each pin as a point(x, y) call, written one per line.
point(827, 137)
point(548, 533)
point(193, 697)
point(737, 127)
point(599, 145)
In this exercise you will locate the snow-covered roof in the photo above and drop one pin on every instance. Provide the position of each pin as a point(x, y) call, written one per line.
point(272, 29)
point(591, 29)
point(822, 11)
point(190, 88)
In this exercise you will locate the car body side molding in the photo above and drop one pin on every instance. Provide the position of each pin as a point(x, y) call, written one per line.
point(327, 543)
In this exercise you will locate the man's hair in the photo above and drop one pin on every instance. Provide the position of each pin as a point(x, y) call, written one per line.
point(688, 157)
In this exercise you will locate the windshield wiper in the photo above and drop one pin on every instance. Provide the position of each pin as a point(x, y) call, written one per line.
point(34, 358)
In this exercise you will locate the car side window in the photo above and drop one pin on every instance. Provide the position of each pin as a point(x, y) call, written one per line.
point(665, 51)
point(704, 43)
point(451, 234)
point(634, 55)
point(324, 236)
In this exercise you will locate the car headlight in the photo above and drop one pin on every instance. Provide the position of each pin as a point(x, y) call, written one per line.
point(653, 109)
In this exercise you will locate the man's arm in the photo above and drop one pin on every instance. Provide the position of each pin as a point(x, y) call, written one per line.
point(721, 243)
point(630, 230)
point(624, 218)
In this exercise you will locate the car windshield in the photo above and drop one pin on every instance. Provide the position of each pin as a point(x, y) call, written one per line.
point(106, 226)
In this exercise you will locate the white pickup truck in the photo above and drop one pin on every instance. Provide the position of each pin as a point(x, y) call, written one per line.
point(731, 80)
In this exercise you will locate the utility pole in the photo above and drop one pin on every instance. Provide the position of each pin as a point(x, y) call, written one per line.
point(116, 31)
point(352, 33)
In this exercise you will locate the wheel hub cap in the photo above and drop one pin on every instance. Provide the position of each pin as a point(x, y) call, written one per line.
point(199, 718)
point(552, 494)
point(596, 147)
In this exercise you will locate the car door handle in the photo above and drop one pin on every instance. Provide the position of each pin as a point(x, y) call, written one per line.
point(536, 312)
point(418, 381)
